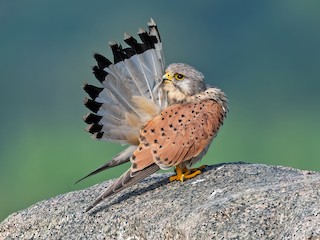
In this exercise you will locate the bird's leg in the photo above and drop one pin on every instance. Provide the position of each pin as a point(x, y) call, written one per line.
point(185, 173)
point(179, 175)
point(191, 173)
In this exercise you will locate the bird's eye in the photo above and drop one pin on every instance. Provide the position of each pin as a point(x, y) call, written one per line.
point(178, 76)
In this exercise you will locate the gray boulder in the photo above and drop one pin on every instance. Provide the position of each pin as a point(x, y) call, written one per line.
point(227, 201)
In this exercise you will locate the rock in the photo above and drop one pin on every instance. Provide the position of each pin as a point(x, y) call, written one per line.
point(229, 201)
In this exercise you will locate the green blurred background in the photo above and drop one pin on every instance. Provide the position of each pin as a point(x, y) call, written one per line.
point(263, 54)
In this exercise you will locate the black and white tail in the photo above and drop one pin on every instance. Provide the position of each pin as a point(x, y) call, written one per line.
point(129, 94)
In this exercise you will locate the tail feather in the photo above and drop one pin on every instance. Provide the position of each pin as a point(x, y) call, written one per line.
point(122, 136)
point(92, 91)
point(154, 32)
point(119, 159)
point(136, 71)
point(102, 61)
point(126, 180)
point(108, 118)
point(92, 118)
point(148, 69)
point(133, 73)
point(119, 90)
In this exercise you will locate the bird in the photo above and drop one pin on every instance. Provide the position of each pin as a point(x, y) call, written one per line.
point(167, 115)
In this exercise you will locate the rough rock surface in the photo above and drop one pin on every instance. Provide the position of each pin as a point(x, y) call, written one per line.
point(227, 201)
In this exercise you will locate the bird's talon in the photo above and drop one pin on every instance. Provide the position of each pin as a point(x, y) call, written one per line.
point(182, 178)
point(192, 175)
point(173, 178)
point(183, 174)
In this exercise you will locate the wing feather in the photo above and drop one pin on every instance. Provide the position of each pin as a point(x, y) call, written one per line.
point(136, 72)
point(119, 159)
point(126, 180)
point(189, 131)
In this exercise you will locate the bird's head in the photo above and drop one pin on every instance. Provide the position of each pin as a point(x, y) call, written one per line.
point(184, 78)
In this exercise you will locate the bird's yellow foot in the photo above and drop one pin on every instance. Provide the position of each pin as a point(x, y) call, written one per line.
point(185, 173)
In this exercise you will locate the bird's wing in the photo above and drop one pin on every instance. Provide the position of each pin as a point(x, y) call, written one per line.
point(127, 179)
point(119, 159)
point(129, 85)
point(140, 169)
point(179, 133)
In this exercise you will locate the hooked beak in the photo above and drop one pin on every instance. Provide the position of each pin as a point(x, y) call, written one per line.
point(167, 78)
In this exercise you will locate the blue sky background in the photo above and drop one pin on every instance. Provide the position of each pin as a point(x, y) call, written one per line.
point(264, 54)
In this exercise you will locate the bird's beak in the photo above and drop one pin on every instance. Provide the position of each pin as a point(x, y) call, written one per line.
point(167, 78)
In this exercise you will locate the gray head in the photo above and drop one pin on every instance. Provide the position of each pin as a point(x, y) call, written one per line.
point(185, 78)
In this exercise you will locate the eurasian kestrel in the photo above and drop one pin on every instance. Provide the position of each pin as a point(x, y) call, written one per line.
point(168, 117)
